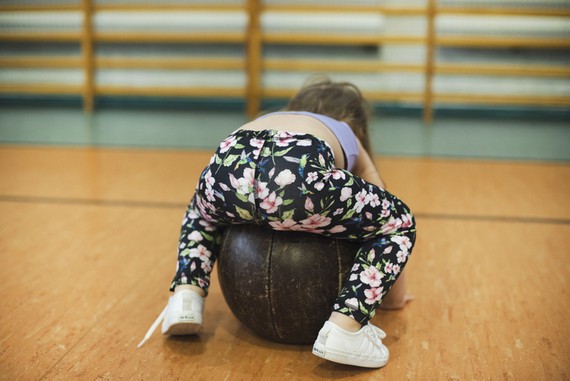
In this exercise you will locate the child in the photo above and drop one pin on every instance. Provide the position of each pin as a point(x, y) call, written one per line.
point(306, 169)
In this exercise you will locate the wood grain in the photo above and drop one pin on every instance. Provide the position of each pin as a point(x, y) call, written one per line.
point(84, 280)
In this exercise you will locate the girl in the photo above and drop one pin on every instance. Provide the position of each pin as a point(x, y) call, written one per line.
point(307, 169)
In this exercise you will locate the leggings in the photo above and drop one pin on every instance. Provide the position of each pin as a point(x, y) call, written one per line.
point(288, 181)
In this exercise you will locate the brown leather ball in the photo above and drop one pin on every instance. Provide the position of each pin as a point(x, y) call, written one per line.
point(282, 285)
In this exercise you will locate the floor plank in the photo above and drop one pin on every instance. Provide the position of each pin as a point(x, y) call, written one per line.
point(83, 281)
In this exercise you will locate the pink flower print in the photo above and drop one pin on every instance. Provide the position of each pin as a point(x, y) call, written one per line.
point(353, 277)
point(309, 205)
point(201, 283)
point(388, 268)
point(282, 139)
point(261, 190)
point(345, 194)
point(321, 160)
point(200, 252)
point(304, 143)
point(243, 185)
point(402, 241)
point(288, 224)
point(210, 195)
point(354, 267)
point(192, 214)
point(373, 295)
point(388, 250)
point(228, 143)
point(319, 186)
point(312, 177)
point(271, 203)
point(338, 211)
point(315, 221)
point(192, 266)
point(206, 266)
point(352, 303)
point(391, 226)
point(337, 229)
point(406, 220)
point(371, 276)
point(385, 213)
point(195, 236)
point(224, 187)
point(207, 226)
point(374, 200)
point(209, 179)
point(285, 178)
point(337, 174)
point(396, 269)
point(368, 215)
point(183, 279)
point(362, 199)
point(257, 143)
point(401, 255)
point(385, 204)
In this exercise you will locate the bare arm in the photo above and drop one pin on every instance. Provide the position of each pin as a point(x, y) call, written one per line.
point(366, 169)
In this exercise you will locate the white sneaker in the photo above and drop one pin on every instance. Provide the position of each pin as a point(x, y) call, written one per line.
point(181, 316)
point(363, 348)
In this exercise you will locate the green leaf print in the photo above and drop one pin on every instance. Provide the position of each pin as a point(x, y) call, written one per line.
point(185, 252)
point(245, 214)
point(288, 215)
point(242, 197)
point(303, 161)
point(288, 202)
point(218, 160)
point(281, 153)
point(207, 236)
point(229, 160)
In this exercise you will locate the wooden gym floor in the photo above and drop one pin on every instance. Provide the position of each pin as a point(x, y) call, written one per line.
point(87, 248)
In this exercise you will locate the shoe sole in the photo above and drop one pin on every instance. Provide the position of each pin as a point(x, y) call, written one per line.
point(319, 350)
point(186, 324)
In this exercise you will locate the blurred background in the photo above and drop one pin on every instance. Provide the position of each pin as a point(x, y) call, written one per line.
point(463, 68)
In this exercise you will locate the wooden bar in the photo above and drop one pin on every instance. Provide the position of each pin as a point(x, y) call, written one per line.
point(88, 57)
point(170, 91)
point(275, 92)
point(494, 99)
point(56, 62)
point(332, 8)
point(171, 37)
point(430, 63)
point(503, 42)
point(69, 36)
point(39, 7)
point(508, 70)
point(168, 7)
point(42, 88)
point(289, 38)
point(171, 63)
point(254, 59)
point(344, 65)
point(504, 11)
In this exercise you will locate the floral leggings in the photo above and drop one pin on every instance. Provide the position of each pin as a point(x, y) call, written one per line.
point(288, 181)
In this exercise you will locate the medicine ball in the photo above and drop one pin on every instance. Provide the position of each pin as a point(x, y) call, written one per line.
point(279, 284)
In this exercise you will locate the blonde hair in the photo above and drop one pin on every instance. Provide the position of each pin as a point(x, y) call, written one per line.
point(342, 101)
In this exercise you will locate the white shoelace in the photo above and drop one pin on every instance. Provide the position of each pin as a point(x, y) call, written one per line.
point(375, 333)
point(153, 327)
